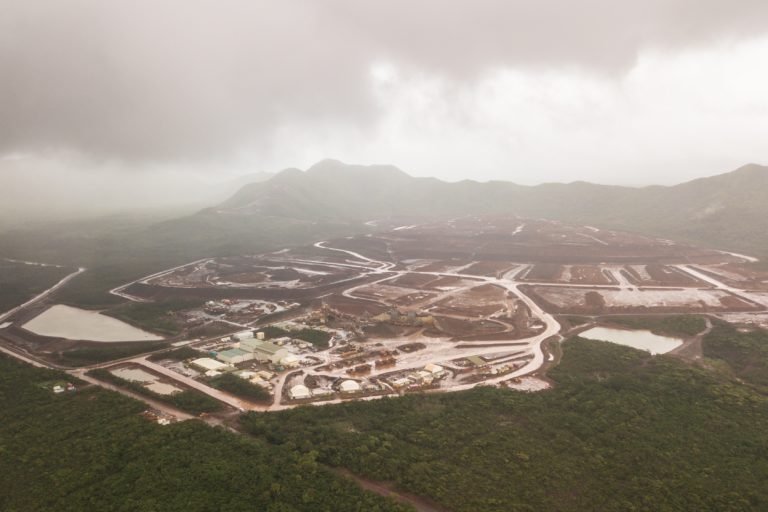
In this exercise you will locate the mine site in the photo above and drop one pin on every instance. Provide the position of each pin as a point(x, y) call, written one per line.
point(431, 307)
point(424, 256)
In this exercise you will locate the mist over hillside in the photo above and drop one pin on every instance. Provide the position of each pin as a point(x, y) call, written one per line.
point(332, 199)
point(727, 210)
point(346, 256)
point(35, 194)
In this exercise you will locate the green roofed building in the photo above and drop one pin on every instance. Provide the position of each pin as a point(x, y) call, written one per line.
point(263, 350)
point(234, 356)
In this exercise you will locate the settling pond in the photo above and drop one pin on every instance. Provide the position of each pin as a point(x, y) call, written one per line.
point(147, 379)
point(79, 324)
point(643, 340)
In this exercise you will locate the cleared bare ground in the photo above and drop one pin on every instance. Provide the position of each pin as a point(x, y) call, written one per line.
point(441, 268)
point(600, 300)
point(475, 296)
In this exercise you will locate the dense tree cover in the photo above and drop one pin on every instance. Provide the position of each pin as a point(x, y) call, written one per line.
point(91, 451)
point(20, 282)
point(273, 331)
point(189, 400)
point(176, 354)
point(622, 430)
point(675, 325)
point(242, 388)
point(316, 337)
point(104, 352)
point(574, 320)
point(120, 249)
point(746, 353)
point(154, 316)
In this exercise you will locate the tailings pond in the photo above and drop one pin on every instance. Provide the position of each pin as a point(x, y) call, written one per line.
point(61, 321)
point(642, 340)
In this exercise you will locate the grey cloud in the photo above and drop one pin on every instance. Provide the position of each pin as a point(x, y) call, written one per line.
point(188, 80)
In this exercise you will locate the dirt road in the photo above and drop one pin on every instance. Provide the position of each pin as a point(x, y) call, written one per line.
point(192, 383)
point(42, 295)
point(388, 491)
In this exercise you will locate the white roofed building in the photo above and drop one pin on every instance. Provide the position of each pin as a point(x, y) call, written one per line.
point(401, 382)
point(243, 335)
point(206, 364)
point(350, 386)
point(433, 368)
point(300, 392)
point(291, 361)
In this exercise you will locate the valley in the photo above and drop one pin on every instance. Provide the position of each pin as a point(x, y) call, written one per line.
point(437, 306)
point(383, 257)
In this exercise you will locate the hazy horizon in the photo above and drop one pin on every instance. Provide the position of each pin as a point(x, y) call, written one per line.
point(105, 107)
point(424, 255)
point(78, 195)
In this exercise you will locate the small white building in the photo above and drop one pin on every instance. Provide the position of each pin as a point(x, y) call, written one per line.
point(424, 377)
point(322, 392)
point(401, 382)
point(299, 392)
point(206, 364)
point(260, 382)
point(260, 335)
point(291, 361)
point(350, 386)
point(433, 368)
point(243, 335)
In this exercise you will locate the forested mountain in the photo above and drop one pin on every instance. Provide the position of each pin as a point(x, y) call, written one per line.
point(728, 210)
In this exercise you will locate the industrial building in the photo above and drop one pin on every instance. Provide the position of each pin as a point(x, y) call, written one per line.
point(350, 386)
point(434, 369)
point(401, 382)
point(424, 377)
point(264, 351)
point(207, 364)
point(290, 361)
point(243, 335)
point(299, 392)
point(234, 356)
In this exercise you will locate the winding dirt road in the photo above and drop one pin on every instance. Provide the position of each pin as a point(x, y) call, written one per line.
point(42, 295)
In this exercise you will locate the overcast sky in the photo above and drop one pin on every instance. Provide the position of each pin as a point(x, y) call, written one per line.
point(658, 91)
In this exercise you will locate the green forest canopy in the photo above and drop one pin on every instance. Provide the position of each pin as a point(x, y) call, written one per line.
point(622, 430)
point(90, 450)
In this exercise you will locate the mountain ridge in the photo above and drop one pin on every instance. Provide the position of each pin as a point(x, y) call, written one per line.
point(720, 210)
